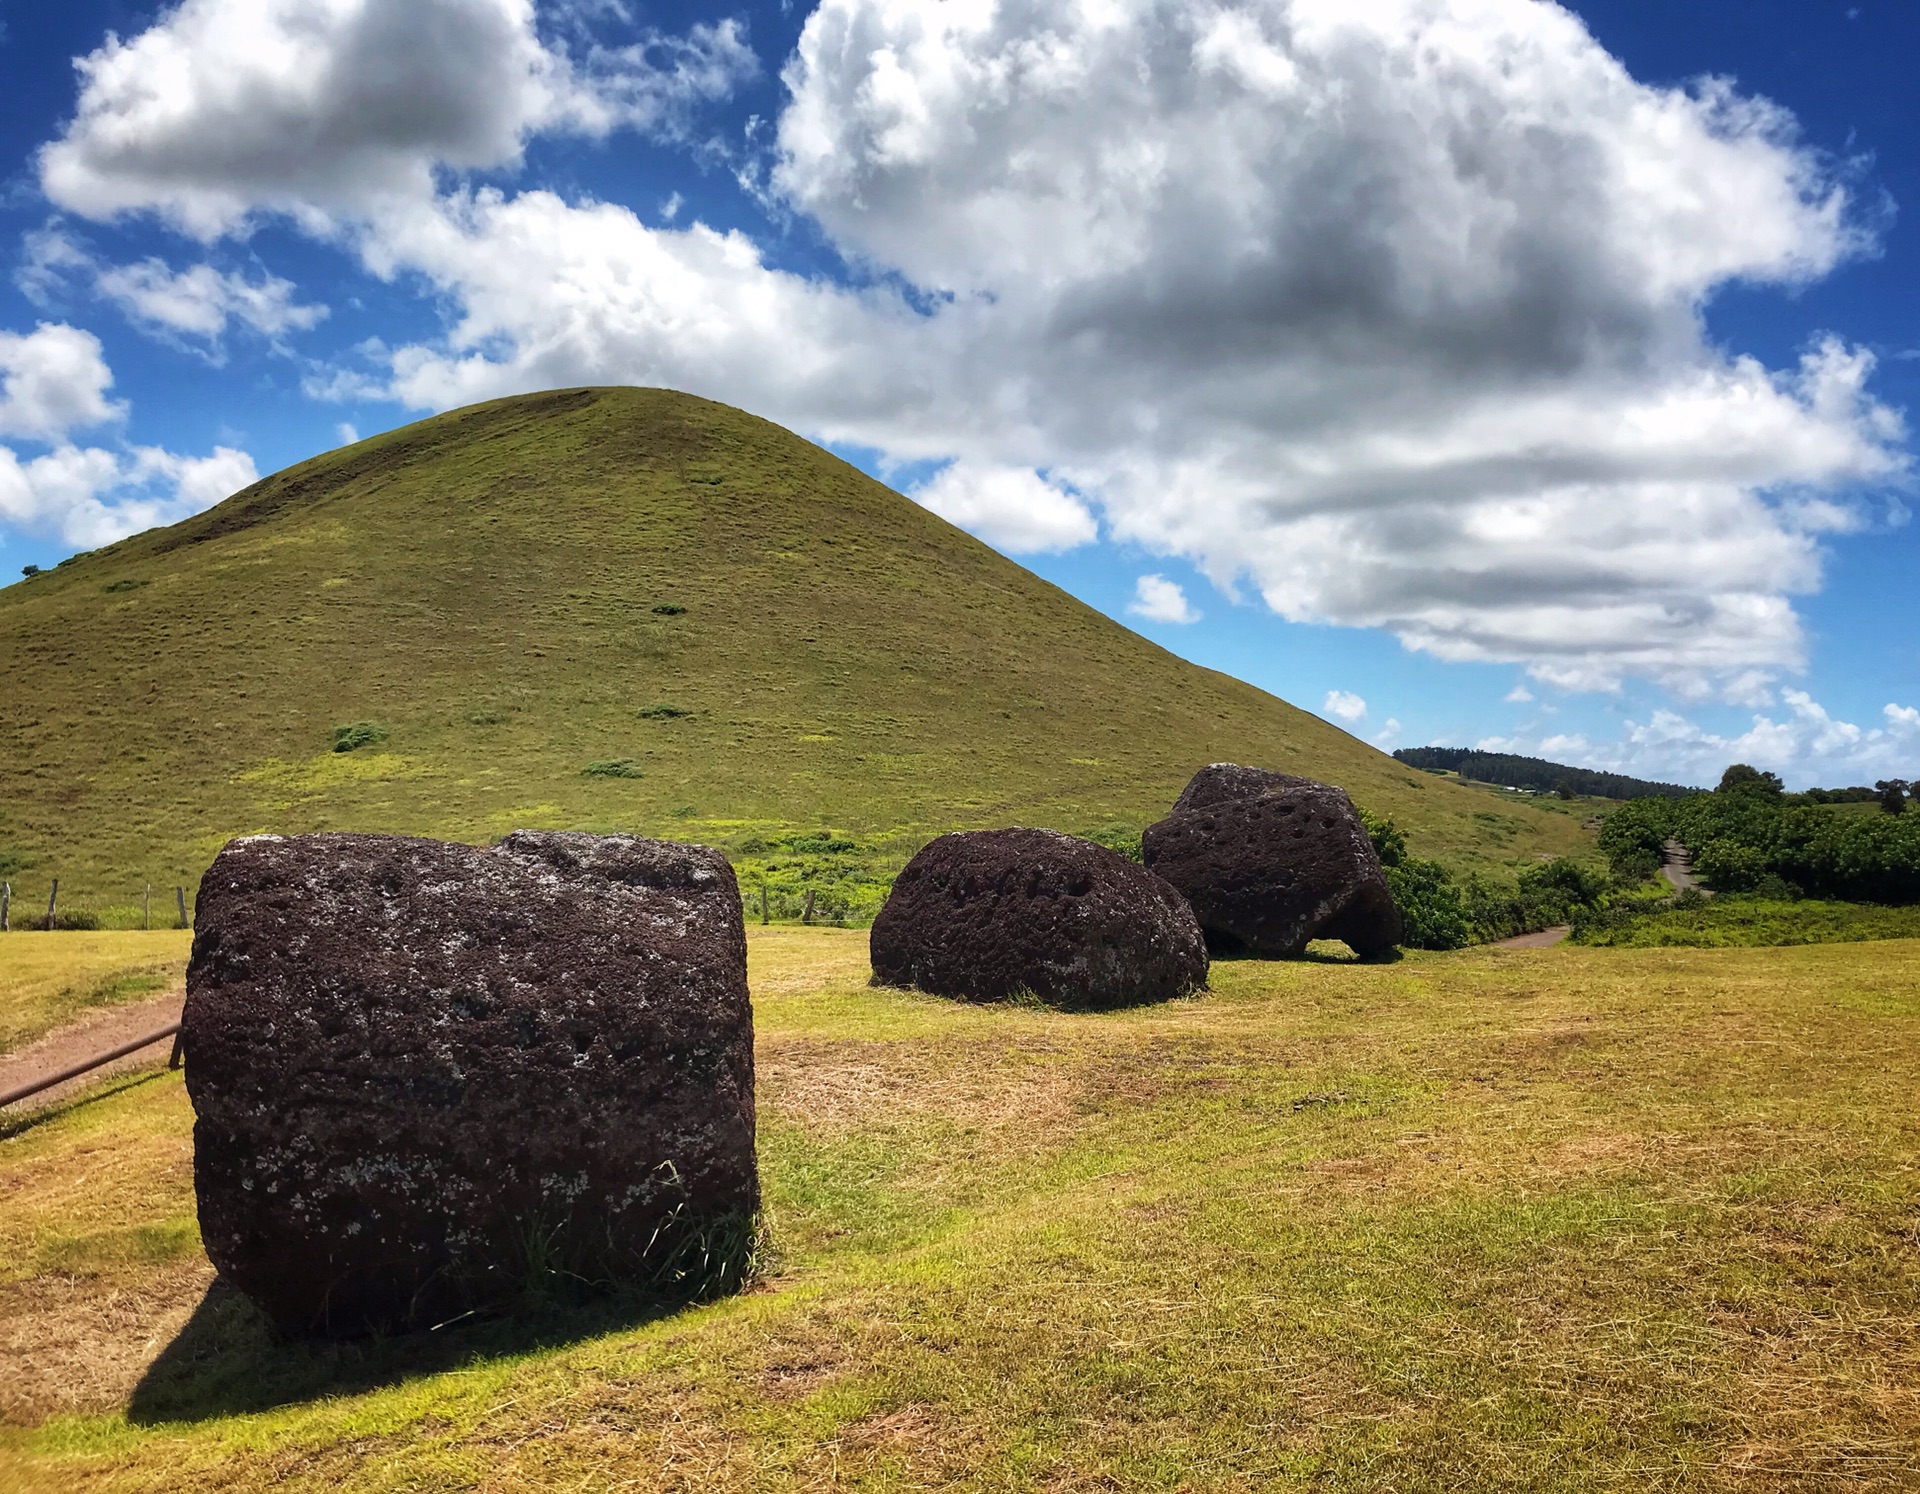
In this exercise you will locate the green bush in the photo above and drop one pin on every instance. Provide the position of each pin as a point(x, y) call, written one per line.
point(1431, 911)
point(358, 734)
point(669, 609)
point(662, 712)
point(613, 767)
point(1729, 866)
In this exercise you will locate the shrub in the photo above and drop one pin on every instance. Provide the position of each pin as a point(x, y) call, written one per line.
point(356, 735)
point(1389, 841)
point(1730, 866)
point(1431, 911)
point(613, 767)
point(668, 609)
point(29, 571)
point(662, 712)
point(126, 583)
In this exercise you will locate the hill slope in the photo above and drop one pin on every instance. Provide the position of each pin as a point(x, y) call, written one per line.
point(497, 590)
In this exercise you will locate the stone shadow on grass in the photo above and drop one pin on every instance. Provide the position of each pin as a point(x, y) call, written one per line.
point(229, 1361)
point(1318, 952)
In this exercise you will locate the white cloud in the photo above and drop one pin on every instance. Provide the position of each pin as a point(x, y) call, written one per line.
point(1013, 509)
point(53, 380)
point(1518, 695)
point(1346, 705)
point(90, 496)
point(1806, 745)
point(1388, 735)
point(1159, 600)
point(1393, 310)
point(200, 301)
point(345, 433)
point(224, 108)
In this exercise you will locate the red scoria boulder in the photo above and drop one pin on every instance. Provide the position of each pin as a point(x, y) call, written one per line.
point(1271, 862)
point(989, 914)
point(424, 1075)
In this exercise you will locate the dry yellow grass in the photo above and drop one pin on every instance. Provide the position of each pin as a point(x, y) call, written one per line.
point(1556, 1219)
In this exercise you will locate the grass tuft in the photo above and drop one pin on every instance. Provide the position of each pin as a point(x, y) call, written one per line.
point(613, 767)
point(358, 734)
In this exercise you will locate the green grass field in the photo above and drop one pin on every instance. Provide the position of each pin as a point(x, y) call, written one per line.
point(1741, 921)
point(614, 609)
point(1564, 1219)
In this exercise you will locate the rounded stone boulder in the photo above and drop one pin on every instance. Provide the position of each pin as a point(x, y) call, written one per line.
point(986, 915)
point(1270, 862)
point(425, 1076)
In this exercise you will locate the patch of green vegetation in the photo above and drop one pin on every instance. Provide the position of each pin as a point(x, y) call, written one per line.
point(613, 767)
point(1750, 836)
point(1735, 921)
point(353, 737)
point(1122, 838)
point(1481, 1221)
point(668, 609)
point(846, 657)
point(125, 583)
point(660, 712)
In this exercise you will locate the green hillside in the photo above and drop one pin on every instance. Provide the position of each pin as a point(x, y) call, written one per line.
point(604, 608)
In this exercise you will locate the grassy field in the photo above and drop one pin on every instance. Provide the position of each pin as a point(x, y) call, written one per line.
point(1562, 1219)
point(48, 979)
point(613, 609)
point(1738, 921)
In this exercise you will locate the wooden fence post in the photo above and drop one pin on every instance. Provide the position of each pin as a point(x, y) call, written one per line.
point(52, 898)
point(806, 913)
point(6, 907)
point(763, 899)
point(180, 897)
point(146, 908)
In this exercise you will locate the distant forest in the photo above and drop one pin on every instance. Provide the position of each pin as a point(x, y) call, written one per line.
point(1509, 771)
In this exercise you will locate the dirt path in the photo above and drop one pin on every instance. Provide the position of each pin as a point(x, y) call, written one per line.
point(96, 1032)
point(1542, 940)
point(1677, 867)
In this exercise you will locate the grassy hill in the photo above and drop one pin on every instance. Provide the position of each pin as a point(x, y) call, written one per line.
point(612, 608)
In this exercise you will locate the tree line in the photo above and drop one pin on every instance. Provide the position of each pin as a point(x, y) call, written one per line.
point(1509, 770)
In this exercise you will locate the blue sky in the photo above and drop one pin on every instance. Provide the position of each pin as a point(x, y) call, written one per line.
point(1463, 370)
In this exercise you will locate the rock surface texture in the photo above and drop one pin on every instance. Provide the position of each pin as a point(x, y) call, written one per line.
point(1270, 862)
point(425, 1075)
point(989, 914)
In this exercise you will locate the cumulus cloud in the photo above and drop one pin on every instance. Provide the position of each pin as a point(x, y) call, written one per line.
point(86, 496)
point(200, 301)
point(1388, 735)
point(1346, 705)
point(224, 108)
point(1012, 508)
point(53, 380)
point(1518, 695)
point(1159, 600)
point(1393, 311)
point(197, 302)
